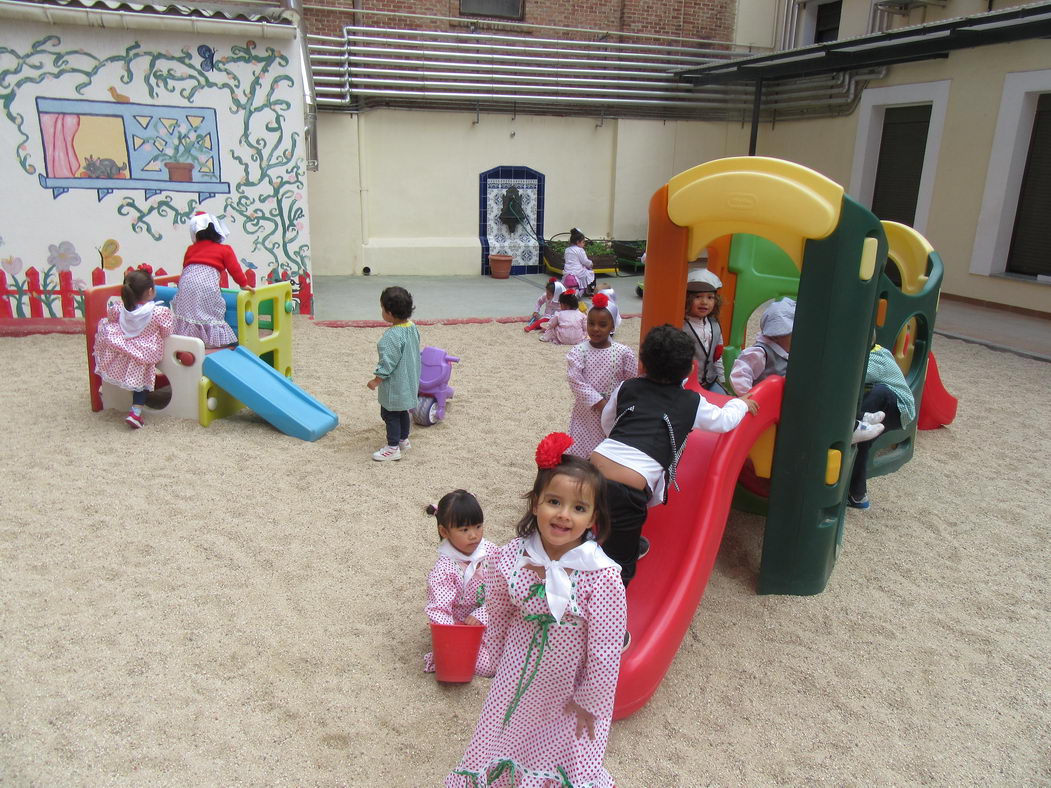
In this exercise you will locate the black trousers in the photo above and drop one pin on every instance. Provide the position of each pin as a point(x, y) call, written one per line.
point(627, 514)
point(397, 422)
point(880, 397)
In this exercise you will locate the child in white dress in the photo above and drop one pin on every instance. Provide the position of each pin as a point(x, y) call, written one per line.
point(546, 305)
point(129, 342)
point(578, 271)
point(455, 586)
point(568, 326)
point(557, 615)
point(595, 368)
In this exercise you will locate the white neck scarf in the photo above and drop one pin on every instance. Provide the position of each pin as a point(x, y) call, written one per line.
point(134, 323)
point(557, 585)
point(472, 560)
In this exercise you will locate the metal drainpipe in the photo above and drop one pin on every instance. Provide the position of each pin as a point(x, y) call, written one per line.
point(756, 105)
point(309, 97)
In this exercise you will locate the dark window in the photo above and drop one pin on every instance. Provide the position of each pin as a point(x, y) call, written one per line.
point(505, 9)
point(1031, 242)
point(900, 163)
point(826, 27)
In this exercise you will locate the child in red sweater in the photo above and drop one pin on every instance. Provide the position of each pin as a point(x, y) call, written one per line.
point(198, 306)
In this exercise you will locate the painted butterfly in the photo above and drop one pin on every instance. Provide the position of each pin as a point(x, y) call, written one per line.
point(207, 57)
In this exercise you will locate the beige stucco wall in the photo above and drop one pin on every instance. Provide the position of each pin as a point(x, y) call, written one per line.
point(397, 191)
point(976, 82)
point(417, 173)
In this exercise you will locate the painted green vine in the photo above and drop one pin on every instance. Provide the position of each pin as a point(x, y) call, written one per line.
point(267, 198)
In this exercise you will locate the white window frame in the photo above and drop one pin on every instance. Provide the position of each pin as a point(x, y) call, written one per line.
point(873, 106)
point(808, 21)
point(1003, 179)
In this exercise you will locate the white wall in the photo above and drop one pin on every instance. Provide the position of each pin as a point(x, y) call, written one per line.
point(263, 177)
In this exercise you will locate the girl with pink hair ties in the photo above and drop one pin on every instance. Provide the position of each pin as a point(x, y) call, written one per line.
point(557, 615)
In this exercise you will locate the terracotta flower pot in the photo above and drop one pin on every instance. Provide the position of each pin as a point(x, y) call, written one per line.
point(179, 171)
point(499, 266)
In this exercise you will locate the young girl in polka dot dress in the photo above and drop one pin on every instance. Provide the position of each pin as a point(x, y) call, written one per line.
point(129, 342)
point(198, 305)
point(596, 367)
point(455, 587)
point(557, 615)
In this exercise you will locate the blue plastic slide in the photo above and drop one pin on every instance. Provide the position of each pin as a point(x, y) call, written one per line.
point(269, 393)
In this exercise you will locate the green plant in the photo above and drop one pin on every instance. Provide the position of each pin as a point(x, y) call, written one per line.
point(591, 248)
point(182, 144)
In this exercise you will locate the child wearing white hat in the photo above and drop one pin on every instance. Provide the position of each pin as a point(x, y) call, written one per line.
point(769, 355)
point(198, 305)
point(701, 324)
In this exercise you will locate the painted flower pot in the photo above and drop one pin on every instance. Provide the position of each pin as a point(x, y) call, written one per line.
point(455, 651)
point(179, 171)
point(500, 266)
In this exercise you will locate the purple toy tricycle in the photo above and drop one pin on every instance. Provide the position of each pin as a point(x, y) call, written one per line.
point(436, 367)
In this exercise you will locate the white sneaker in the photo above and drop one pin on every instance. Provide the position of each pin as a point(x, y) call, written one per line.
point(866, 432)
point(874, 418)
point(403, 445)
point(387, 453)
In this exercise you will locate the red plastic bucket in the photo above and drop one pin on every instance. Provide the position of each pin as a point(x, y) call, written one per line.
point(455, 651)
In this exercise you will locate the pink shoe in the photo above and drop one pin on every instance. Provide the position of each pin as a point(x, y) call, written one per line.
point(134, 420)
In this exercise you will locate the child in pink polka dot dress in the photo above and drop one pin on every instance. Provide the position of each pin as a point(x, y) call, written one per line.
point(129, 342)
point(557, 616)
point(595, 368)
point(455, 586)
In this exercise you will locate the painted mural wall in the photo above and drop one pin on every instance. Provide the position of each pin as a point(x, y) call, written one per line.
point(398, 190)
point(111, 139)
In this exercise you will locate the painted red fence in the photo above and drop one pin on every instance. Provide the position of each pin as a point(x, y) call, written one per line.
point(37, 302)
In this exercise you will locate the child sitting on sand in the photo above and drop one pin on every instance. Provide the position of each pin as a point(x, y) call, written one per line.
point(595, 368)
point(455, 587)
point(557, 613)
point(546, 305)
point(569, 325)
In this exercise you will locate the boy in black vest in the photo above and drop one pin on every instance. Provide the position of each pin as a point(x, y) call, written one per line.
point(648, 420)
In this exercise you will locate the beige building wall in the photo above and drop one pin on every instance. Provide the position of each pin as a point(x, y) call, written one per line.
point(397, 191)
point(975, 81)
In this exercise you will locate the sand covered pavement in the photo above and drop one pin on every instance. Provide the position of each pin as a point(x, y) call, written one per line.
point(230, 606)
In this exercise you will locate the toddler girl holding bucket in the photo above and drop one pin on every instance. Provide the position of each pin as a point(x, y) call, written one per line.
point(455, 587)
point(557, 615)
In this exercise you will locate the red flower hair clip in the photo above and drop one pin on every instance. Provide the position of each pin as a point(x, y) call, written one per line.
point(570, 291)
point(549, 452)
point(552, 279)
point(600, 301)
point(145, 267)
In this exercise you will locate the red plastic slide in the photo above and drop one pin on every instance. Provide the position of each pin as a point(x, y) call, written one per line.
point(937, 406)
point(685, 535)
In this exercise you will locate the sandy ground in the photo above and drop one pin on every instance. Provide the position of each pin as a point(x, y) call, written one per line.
point(230, 606)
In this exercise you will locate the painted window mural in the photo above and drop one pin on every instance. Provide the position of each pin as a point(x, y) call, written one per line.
point(106, 146)
point(111, 139)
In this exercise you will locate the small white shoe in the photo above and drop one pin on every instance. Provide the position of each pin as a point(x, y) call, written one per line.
point(387, 453)
point(874, 418)
point(403, 445)
point(866, 432)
